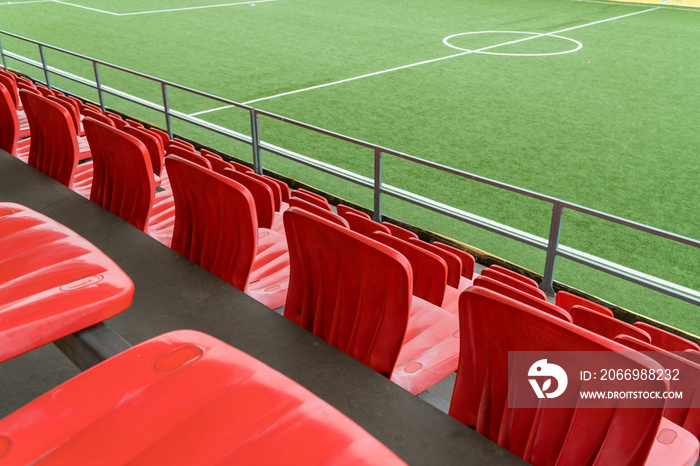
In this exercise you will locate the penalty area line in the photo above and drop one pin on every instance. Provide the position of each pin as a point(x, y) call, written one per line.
point(376, 73)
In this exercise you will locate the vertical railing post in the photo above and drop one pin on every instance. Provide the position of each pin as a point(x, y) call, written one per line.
point(166, 109)
point(377, 215)
point(2, 53)
point(552, 248)
point(46, 68)
point(255, 137)
point(98, 82)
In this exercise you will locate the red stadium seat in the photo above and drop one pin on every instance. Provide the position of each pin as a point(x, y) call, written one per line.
point(162, 135)
point(567, 300)
point(429, 270)
point(515, 275)
point(153, 145)
point(313, 198)
point(53, 282)
point(54, 144)
point(684, 376)
point(491, 326)
point(188, 154)
point(83, 147)
point(355, 293)
point(399, 232)
point(183, 144)
point(666, 340)
point(284, 189)
point(217, 163)
point(10, 133)
point(343, 209)
point(216, 227)
point(10, 82)
point(123, 180)
point(262, 195)
point(274, 186)
point(184, 398)
point(515, 283)
point(319, 211)
point(513, 293)
point(608, 327)
point(454, 263)
point(96, 114)
point(363, 225)
point(465, 258)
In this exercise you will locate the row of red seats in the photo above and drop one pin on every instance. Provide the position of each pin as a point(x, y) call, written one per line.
point(181, 398)
point(494, 326)
point(375, 339)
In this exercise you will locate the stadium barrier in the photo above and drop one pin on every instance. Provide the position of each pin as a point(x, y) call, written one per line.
point(551, 245)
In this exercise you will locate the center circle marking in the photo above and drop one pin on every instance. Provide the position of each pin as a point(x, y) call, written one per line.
point(533, 35)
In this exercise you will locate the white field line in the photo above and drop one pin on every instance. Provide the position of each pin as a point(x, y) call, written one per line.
point(665, 7)
point(158, 11)
point(22, 3)
point(194, 8)
point(376, 73)
point(86, 8)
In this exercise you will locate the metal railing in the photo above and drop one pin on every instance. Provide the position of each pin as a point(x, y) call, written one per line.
point(551, 245)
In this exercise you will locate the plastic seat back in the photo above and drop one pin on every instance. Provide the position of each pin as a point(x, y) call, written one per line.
point(454, 263)
point(683, 376)
point(513, 293)
point(273, 185)
point(183, 144)
point(122, 180)
point(566, 300)
point(284, 188)
point(468, 261)
point(54, 144)
point(72, 111)
point(343, 209)
point(364, 226)
point(187, 154)
point(527, 280)
point(219, 165)
point(666, 340)
point(316, 210)
point(399, 232)
point(153, 145)
point(97, 115)
point(162, 135)
point(429, 270)
point(349, 290)
point(9, 122)
point(313, 198)
point(491, 326)
point(262, 194)
point(11, 86)
point(609, 327)
point(215, 221)
point(515, 283)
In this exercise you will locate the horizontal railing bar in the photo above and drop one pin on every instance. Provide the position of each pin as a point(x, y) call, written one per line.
point(321, 166)
point(654, 283)
point(634, 225)
point(467, 217)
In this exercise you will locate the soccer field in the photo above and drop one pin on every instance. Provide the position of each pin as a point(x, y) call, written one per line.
point(592, 102)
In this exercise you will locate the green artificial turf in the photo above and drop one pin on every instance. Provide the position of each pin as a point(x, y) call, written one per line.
point(612, 126)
